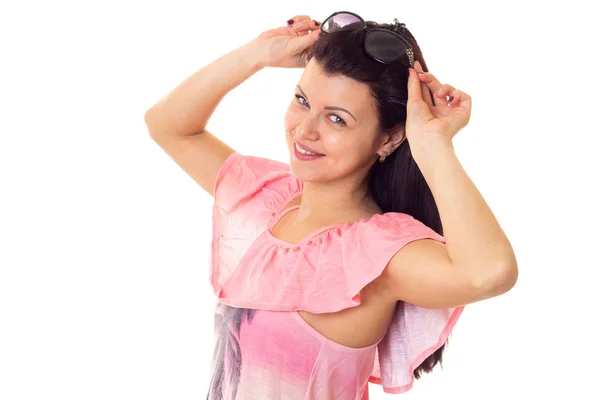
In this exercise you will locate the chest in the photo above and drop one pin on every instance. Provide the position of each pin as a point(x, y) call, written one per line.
point(355, 327)
point(283, 261)
point(358, 326)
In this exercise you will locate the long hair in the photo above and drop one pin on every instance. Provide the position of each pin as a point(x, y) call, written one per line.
point(397, 184)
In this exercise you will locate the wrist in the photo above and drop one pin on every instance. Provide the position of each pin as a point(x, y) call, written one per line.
point(253, 52)
point(429, 150)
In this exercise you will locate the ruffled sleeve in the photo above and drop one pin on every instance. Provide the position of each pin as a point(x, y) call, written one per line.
point(248, 182)
point(248, 191)
point(415, 333)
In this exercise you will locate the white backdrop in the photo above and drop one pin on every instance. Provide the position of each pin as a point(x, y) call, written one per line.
point(104, 241)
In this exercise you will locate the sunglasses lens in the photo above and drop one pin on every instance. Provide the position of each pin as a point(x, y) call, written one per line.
point(342, 22)
point(385, 46)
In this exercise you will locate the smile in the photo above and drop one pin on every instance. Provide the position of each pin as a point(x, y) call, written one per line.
point(304, 150)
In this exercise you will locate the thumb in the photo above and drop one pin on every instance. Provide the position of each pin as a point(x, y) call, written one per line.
point(416, 108)
point(414, 86)
point(301, 43)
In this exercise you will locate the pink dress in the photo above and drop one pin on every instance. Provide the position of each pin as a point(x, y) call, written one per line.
point(264, 349)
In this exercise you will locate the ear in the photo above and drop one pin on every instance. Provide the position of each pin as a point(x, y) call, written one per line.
point(392, 141)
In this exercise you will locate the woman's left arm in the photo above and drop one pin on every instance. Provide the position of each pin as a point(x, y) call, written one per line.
point(474, 239)
point(475, 242)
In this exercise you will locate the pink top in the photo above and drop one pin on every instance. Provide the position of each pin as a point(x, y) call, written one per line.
point(264, 348)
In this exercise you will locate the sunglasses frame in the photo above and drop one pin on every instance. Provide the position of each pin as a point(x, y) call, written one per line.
point(397, 25)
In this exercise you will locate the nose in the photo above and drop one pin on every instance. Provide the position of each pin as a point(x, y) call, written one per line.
point(307, 128)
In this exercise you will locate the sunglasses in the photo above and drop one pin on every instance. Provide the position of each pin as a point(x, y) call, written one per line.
point(383, 45)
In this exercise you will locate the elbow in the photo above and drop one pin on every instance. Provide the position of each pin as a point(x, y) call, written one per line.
point(498, 280)
point(149, 115)
point(154, 113)
point(507, 278)
point(151, 122)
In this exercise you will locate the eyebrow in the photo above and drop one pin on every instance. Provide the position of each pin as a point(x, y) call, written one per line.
point(329, 107)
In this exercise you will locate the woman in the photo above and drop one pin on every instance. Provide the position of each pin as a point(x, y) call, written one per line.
point(332, 271)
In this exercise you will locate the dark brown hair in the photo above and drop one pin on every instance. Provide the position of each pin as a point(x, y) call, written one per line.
point(397, 185)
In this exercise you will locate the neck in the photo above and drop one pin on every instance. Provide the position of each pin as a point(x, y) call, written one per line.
point(335, 202)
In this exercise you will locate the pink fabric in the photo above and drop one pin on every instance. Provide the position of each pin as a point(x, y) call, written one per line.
point(282, 357)
point(255, 274)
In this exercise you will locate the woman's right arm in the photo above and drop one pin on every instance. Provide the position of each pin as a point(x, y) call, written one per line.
point(186, 110)
point(177, 123)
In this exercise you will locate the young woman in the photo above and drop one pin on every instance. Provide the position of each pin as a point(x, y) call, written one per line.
point(331, 271)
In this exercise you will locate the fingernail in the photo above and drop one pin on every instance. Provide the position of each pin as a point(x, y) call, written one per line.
point(450, 99)
point(441, 90)
point(317, 23)
point(298, 25)
point(421, 72)
point(290, 21)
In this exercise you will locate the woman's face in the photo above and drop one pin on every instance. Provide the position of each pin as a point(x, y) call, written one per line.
point(334, 116)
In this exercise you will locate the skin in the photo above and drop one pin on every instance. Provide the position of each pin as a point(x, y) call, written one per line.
point(335, 186)
point(477, 261)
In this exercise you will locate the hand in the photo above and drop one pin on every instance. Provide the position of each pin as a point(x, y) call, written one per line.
point(438, 118)
point(289, 46)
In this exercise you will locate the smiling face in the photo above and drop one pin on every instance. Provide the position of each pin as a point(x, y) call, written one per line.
point(334, 116)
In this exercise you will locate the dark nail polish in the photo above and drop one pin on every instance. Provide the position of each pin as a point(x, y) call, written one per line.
point(450, 99)
point(290, 21)
point(316, 22)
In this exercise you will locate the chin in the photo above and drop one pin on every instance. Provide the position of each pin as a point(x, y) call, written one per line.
point(306, 175)
point(307, 172)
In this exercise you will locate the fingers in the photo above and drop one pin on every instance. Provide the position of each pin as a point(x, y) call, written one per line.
point(414, 87)
point(305, 28)
point(447, 90)
point(456, 97)
point(432, 83)
point(301, 25)
point(443, 94)
point(417, 109)
point(307, 40)
point(298, 18)
point(426, 93)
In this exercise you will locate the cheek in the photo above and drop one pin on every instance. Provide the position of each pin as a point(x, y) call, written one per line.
point(343, 142)
point(292, 118)
point(347, 148)
point(334, 143)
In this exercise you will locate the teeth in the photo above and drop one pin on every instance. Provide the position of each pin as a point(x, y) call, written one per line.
point(304, 151)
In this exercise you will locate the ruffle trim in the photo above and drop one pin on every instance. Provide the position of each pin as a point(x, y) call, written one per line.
point(323, 273)
point(414, 364)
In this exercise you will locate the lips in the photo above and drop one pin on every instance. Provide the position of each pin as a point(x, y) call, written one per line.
point(309, 149)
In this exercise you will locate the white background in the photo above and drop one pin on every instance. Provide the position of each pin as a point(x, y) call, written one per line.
point(104, 241)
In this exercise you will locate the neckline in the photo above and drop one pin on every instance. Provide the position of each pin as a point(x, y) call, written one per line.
point(312, 235)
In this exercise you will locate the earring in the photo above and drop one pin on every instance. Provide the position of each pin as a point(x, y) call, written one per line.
point(383, 156)
point(387, 153)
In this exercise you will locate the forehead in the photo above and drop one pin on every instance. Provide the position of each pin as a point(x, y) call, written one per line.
point(335, 90)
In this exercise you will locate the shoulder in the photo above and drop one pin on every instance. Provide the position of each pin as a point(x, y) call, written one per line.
point(246, 166)
point(244, 177)
point(394, 230)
